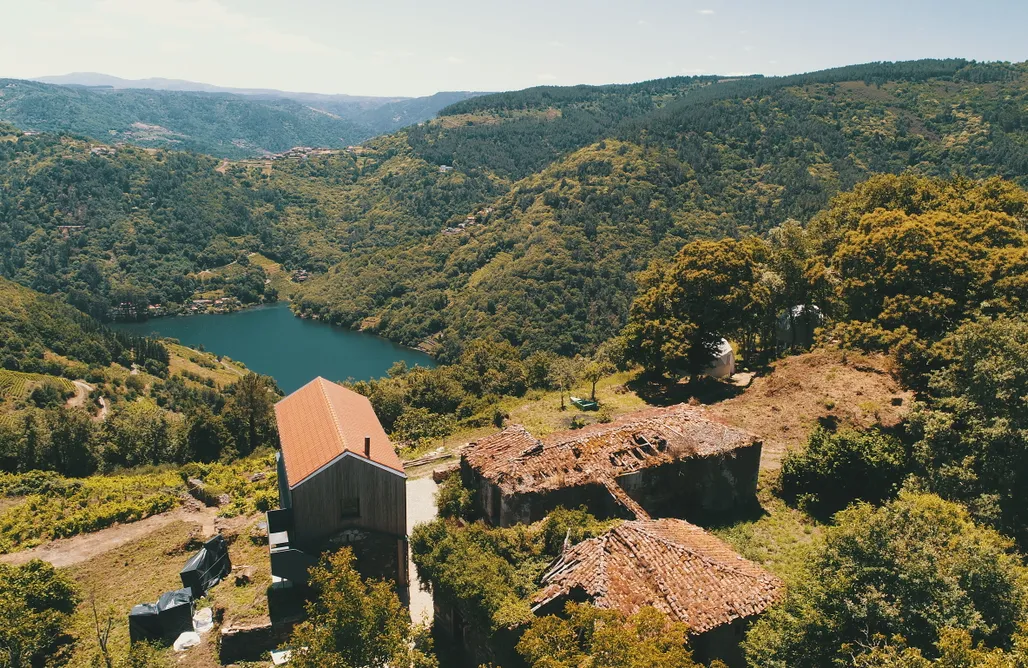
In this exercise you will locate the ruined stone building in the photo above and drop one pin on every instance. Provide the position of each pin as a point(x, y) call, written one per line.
point(676, 567)
point(677, 461)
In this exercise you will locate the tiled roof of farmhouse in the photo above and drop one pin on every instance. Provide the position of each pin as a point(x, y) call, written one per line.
point(518, 462)
point(676, 567)
point(321, 421)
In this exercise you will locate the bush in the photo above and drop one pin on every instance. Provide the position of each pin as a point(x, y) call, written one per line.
point(913, 568)
point(836, 469)
point(454, 500)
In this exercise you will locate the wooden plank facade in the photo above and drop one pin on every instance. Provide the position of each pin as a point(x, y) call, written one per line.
point(350, 492)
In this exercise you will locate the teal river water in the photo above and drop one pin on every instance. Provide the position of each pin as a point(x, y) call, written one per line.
point(272, 341)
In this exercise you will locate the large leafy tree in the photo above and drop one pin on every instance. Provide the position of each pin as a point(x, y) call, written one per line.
point(973, 428)
point(356, 623)
point(913, 568)
point(589, 636)
point(711, 290)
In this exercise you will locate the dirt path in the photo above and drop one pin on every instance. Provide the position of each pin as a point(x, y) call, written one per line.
point(222, 168)
point(81, 399)
point(70, 551)
point(232, 368)
point(82, 390)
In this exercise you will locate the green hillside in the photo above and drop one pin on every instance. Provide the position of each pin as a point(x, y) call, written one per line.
point(552, 266)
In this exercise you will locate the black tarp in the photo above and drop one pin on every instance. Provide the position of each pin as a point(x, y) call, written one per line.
point(175, 611)
point(207, 567)
point(144, 623)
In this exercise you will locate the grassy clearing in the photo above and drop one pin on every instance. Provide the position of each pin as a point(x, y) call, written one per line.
point(140, 571)
point(245, 603)
point(223, 372)
point(137, 572)
point(778, 538)
point(822, 386)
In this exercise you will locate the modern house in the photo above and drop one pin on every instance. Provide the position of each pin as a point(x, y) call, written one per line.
point(676, 567)
point(677, 461)
point(340, 483)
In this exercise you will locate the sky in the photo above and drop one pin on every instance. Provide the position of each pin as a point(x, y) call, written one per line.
point(411, 47)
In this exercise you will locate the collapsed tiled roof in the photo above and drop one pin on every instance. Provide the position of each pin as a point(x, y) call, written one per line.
point(516, 461)
point(672, 565)
point(321, 421)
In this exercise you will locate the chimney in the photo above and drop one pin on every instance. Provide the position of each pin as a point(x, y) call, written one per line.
point(367, 447)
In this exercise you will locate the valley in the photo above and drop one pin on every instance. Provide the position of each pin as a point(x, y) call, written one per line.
point(712, 371)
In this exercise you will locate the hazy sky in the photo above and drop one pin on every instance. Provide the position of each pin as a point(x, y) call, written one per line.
point(405, 47)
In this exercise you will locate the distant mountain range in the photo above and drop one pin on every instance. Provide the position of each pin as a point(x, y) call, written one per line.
point(100, 80)
point(225, 122)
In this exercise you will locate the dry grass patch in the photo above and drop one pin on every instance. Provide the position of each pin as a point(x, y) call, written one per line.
point(828, 387)
point(137, 572)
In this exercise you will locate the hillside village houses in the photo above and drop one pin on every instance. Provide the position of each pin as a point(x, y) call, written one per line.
point(341, 482)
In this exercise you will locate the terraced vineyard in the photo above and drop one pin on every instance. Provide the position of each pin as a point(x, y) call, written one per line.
point(18, 385)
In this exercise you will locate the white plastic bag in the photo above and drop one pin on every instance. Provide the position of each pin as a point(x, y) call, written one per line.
point(186, 640)
point(203, 621)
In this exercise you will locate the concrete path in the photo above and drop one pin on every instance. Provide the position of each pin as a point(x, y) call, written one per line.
point(420, 508)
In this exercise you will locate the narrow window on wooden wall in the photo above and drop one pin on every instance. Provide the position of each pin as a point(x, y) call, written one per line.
point(351, 506)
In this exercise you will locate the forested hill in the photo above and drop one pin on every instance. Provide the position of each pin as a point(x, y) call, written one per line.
point(526, 214)
point(551, 263)
point(221, 124)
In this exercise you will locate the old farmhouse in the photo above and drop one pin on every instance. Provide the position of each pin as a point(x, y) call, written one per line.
point(664, 462)
point(676, 567)
point(340, 482)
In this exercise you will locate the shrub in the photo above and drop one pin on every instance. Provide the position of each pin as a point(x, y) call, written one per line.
point(837, 469)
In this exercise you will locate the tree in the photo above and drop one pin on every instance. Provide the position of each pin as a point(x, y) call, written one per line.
point(912, 568)
point(590, 636)
point(353, 623)
point(418, 425)
point(250, 414)
point(595, 369)
point(836, 469)
point(710, 291)
point(973, 428)
point(36, 604)
point(206, 435)
point(563, 375)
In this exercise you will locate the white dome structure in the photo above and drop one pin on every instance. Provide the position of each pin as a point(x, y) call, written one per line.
point(723, 365)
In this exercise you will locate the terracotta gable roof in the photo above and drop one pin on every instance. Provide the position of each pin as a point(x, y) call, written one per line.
point(518, 462)
point(321, 421)
point(676, 567)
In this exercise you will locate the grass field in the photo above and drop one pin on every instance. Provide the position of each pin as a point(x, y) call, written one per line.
point(137, 572)
point(204, 364)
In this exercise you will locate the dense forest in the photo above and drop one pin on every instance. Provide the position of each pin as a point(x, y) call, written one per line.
point(221, 124)
point(552, 263)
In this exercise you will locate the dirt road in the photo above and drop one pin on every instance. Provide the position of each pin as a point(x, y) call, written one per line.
point(70, 551)
point(81, 398)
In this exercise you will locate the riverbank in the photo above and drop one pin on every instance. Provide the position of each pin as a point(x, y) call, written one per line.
point(270, 340)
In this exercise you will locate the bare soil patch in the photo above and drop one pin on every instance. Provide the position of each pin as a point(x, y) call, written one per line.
point(827, 387)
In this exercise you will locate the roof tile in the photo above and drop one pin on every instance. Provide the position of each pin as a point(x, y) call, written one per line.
point(321, 421)
point(672, 565)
